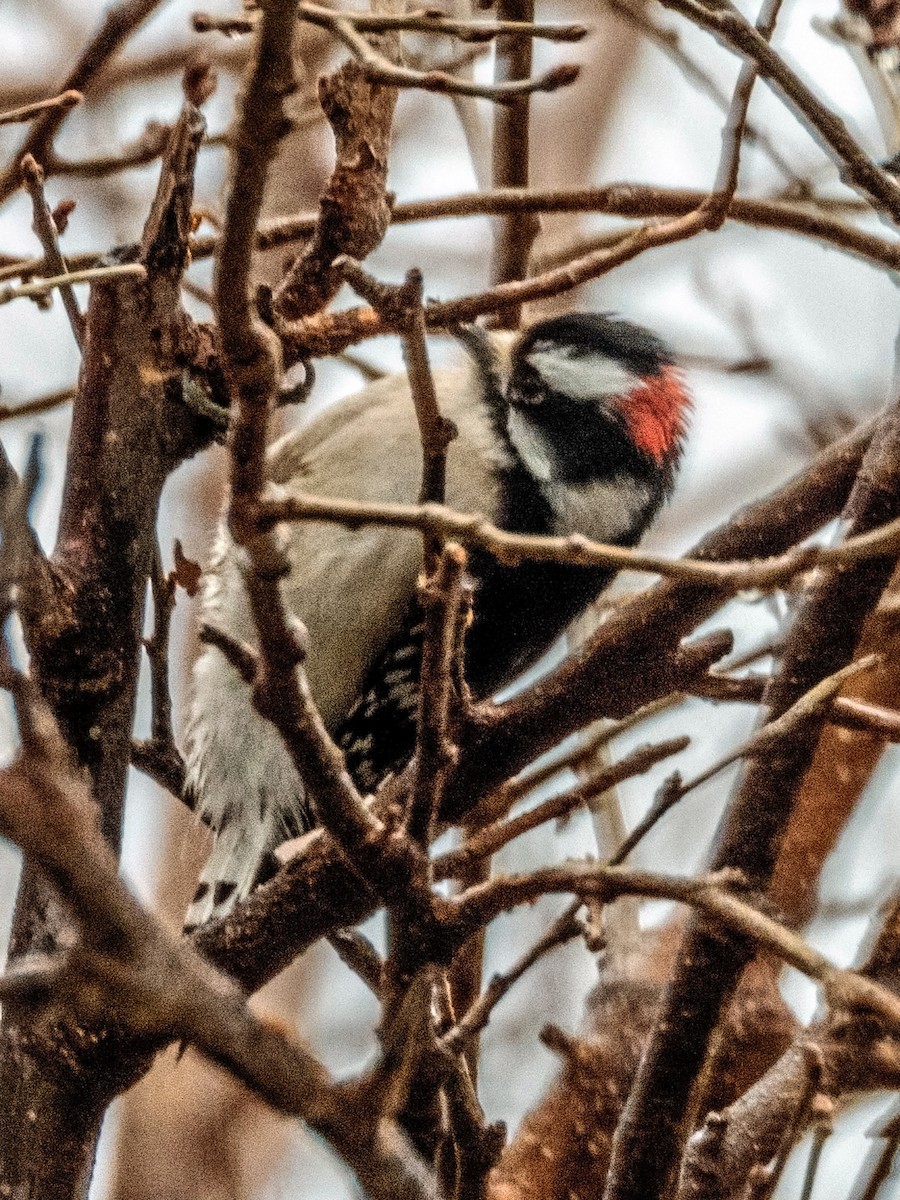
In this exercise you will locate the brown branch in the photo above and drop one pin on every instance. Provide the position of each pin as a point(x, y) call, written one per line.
point(158, 763)
point(514, 235)
point(129, 967)
point(30, 408)
point(728, 26)
point(579, 759)
point(300, 338)
point(818, 699)
point(441, 598)
point(735, 123)
point(619, 199)
point(159, 755)
point(126, 437)
point(669, 41)
point(436, 433)
point(42, 287)
point(66, 100)
point(424, 21)
point(354, 212)
point(48, 235)
point(332, 332)
point(563, 929)
point(118, 24)
point(848, 712)
point(402, 308)
point(145, 149)
point(825, 632)
point(489, 840)
point(356, 952)
point(712, 895)
point(377, 68)
point(395, 866)
point(472, 529)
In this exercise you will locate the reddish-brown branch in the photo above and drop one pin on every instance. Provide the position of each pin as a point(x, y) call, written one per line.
point(822, 640)
point(490, 839)
point(354, 212)
point(66, 100)
point(45, 228)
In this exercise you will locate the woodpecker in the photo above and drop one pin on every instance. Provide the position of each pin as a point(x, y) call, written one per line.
point(575, 424)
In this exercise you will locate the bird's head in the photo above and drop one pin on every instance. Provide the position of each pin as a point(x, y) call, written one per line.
point(585, 396)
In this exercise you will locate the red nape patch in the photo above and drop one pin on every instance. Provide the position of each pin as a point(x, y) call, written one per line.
point(656, 413)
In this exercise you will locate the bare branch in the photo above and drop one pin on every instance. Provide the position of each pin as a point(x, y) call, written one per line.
point(66, 100)
point(423, 21)
point(118, 24)
point(857, 168)
point(441, 599)
point(379, 69)
point(477, 1017)
point(735, 124)
point(89, 275)
point(490, 839)
point(475, 530)
point(30, 408)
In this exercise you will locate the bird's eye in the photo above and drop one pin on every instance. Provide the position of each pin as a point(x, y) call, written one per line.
point(527, 386)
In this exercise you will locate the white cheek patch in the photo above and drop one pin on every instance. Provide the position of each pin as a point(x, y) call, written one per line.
point(581, 376)
point(530, 446)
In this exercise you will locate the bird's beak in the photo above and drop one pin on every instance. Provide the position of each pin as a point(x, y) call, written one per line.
point(491, 352)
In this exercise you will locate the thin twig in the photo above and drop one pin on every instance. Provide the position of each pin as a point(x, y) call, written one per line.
point(440, 598)
point(514, 235)
point(575, 759)
point(356, 952)
point(772, 1172)
point(380, 69)
point(45, 228)
point(712, 895)
point(66, 100)
point(402, 306)
point(809, 705)
point(472, 529)
point(30, 408)
point(563, 929)
point(420, 21)
point(821, 1135)
point(735, 123)
point(396, 867)
point(90, 275)
point(158, 756)
point(435, 431)
point(490, 839)
point(807, 218)
point(118, 24)
point(857, 168)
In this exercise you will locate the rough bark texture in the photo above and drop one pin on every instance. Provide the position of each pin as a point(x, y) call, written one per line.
point(83, 616)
